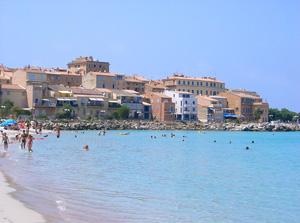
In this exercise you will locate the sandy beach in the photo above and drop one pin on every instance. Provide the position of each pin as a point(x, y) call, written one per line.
point(13, 211)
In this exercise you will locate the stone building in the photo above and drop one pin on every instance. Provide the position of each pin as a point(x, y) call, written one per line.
point(195, 85)
point(210, 109)
point(163, 109)
point(84, 65)
point(246, 105)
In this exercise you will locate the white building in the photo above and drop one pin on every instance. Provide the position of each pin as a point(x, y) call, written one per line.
point(185, 105)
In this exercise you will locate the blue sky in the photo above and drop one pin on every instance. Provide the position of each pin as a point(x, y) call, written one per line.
point(248, 44)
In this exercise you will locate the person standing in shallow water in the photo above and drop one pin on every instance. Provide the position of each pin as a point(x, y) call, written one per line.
point(29, 143)
point(5, 141)
point(23, 139)
point(57, 131)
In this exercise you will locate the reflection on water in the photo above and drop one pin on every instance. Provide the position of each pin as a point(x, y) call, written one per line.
point(208, 177)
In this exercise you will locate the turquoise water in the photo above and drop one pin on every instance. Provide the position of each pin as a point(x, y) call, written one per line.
point(135, 178)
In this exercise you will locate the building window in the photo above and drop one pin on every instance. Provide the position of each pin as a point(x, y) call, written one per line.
point(193, 102)
point(178, 82)
point(188, 83)
point(193, 91)
point(201, 92)
point(183, 82)
point(206, 84)
point(200, 83)
point(192, 82)
point(197, 91)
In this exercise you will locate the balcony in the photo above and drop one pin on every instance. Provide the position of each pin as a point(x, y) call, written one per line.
point(66, 101)
point(95, 102)
point(45, 103)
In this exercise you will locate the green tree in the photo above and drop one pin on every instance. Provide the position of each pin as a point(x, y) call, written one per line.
point(66, 113)
point(6, 108)
point(116, 115)
point(17, 111)
point(283, 114)
point(123, 112)
point(257, 113)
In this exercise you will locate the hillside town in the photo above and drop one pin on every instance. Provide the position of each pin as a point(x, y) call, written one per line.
point(87, 89)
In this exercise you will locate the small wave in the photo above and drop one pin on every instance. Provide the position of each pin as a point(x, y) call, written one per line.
point(61, 205)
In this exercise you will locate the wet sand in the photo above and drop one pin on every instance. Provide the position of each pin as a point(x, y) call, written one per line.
point(12, 210)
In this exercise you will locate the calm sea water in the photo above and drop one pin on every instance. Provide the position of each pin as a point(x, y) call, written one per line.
point(135, 178)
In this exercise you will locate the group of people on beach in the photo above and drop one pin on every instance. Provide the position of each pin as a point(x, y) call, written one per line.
point(25, 139)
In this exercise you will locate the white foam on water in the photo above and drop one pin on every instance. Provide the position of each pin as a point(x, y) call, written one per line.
point(61, 205)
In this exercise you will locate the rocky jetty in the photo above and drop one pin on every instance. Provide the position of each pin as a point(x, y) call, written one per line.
point(153, 125)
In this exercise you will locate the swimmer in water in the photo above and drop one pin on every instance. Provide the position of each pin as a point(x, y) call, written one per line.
point(86, 148)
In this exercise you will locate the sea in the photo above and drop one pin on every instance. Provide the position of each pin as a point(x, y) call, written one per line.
point(151, 177)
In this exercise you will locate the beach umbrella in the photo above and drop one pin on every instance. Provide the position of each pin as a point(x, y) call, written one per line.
point(8, 122)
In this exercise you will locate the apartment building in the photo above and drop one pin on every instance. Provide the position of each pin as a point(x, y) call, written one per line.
point(135, 83)
point(85, 103)
point(132, 100)
point(15, 93)
point(103, 80)
point(6, 74)
point(197, 86)
point(185, 105)
point(210, 109)
point(246, 103)
point(84, 65)
point(163, 109)
point(30, 75)
point(36, 81)
point(155, 87)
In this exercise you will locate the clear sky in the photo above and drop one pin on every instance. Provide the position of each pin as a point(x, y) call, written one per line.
point(251, 44)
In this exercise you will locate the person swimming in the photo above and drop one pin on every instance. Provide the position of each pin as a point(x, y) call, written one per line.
point(86, 147)
point(247, 147)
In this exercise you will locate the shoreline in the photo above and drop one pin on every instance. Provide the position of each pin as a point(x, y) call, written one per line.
point(13, 210)
point(79, 125)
